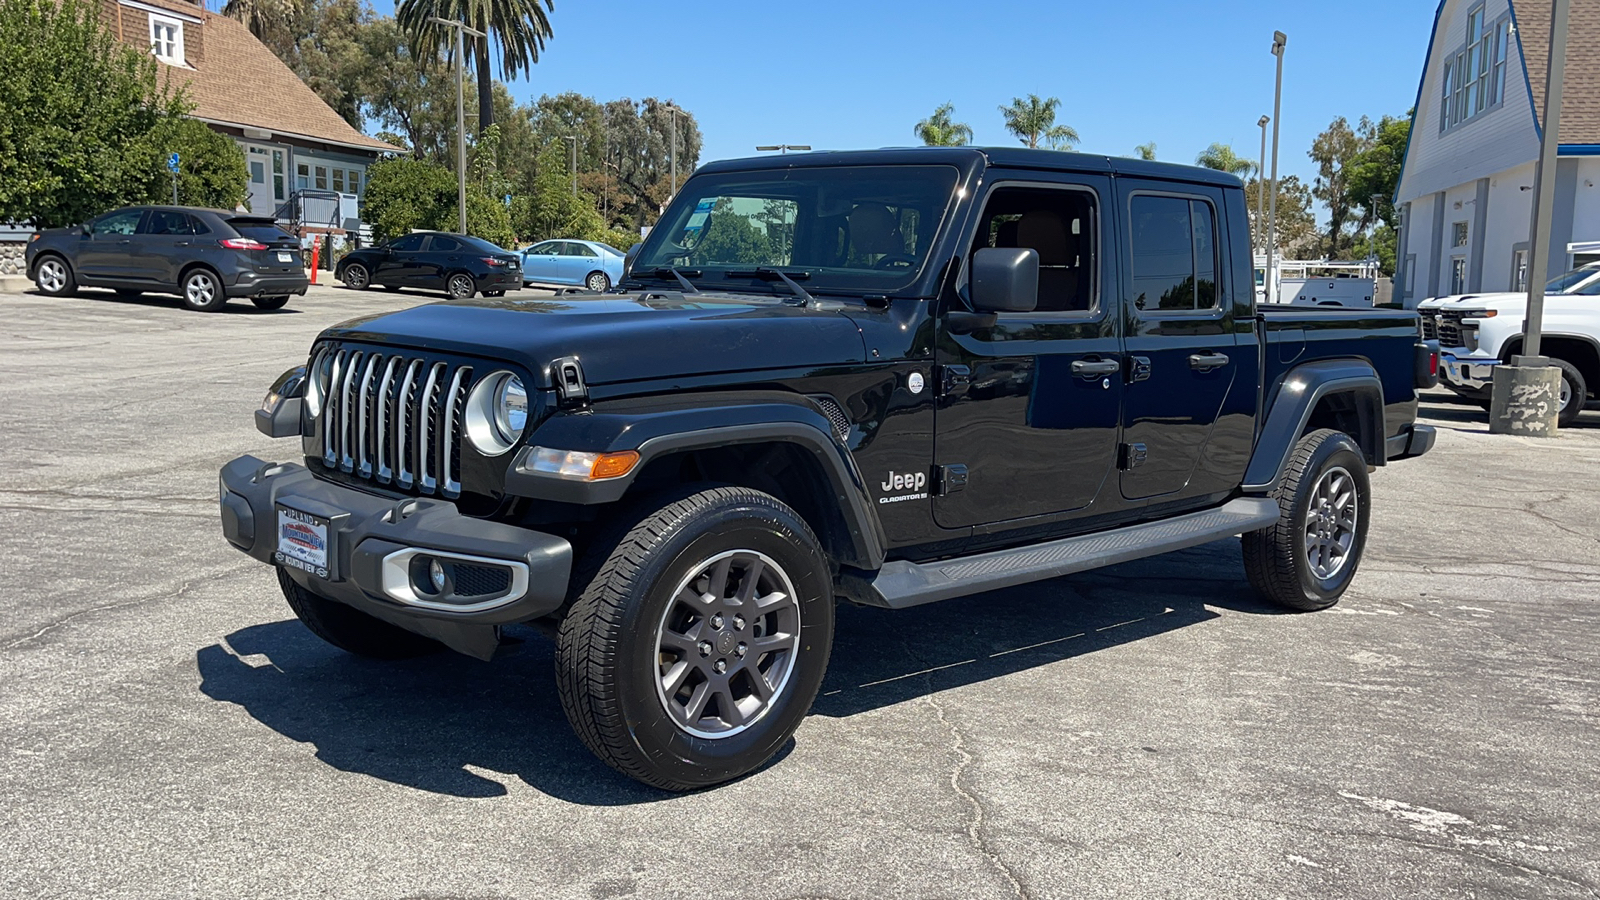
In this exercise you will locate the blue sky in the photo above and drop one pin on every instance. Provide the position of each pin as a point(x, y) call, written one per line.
point(847, 75)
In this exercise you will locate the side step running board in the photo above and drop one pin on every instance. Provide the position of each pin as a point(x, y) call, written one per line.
point(900, 584)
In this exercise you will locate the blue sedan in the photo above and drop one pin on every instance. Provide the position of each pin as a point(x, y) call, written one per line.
point(594, 265)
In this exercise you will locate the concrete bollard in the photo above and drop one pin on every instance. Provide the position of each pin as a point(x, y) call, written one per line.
point(1526, 401)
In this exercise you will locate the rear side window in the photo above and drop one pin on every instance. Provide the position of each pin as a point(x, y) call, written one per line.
point(168, 222)
point(1174, 254)
point(199, 225)
point(577, 249)
point(443, 244)
point(260, 230)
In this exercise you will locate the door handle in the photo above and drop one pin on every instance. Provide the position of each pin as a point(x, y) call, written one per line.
point(1205, 362)
point(1095, 368)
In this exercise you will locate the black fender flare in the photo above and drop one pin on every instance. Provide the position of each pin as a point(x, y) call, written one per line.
point(1297, 396)
point(656, 427)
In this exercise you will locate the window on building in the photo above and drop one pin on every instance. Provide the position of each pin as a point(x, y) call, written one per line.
point(1519, 270)
point(338, 180)
point(353, 181)
point(302, 177)
point(1458, 274)
point(1174, 254)
point(277, 175)
point(1411, 275)
point(322, 178)
point(1473, 76)
point(166, 39)
point(1458, 234)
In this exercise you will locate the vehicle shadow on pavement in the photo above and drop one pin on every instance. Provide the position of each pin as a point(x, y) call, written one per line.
point(427, 723)
point(237, 306)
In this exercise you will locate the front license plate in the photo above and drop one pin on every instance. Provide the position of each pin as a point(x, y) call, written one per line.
point(303, 541)
point(285, 256)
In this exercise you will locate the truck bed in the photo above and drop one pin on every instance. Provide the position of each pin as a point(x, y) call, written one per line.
point(1386, 338)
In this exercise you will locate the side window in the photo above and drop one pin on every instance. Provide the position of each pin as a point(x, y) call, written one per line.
point(125, 222)
point(1174, 256)
point(1059, 224)
point(442, 244)
point(162, 221)
point(199, 225)
point(576, 249)
point(409, 243)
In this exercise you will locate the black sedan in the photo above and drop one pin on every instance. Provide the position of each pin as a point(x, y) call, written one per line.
point(205, 256)
point(458, 264)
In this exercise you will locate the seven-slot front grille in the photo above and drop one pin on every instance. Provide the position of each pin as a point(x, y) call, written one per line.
point(1430, 326)
point(392, 418)
point(1450, 330)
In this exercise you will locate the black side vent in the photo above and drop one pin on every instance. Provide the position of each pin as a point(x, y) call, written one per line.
point(835, 414)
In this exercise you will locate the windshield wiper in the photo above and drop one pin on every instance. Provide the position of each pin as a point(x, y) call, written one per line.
point(682, 275)
point(775, 274)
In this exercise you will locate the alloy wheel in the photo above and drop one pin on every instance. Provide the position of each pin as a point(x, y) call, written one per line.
point(1566, 395)
point(52, 275)
point(462, 287)
point(726, 646)
point(200, 289)
point(356, 276)
point(1330, 524)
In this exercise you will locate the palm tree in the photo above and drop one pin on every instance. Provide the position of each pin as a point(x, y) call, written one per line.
point(1034, 120)
point(938, 130)
point(520, 27)
point(1146, 151)
point(1222, 158)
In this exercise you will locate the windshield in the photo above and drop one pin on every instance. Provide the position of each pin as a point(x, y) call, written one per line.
point(1565, 284)
point(852, 228)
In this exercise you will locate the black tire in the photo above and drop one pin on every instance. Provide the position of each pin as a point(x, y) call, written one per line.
point(202, 290)
point(54, 276)
point(609, 655)
point(598, 281)
point(356, 277)
point(270, 302)
point(460, 286)
point(1573, 382)
point(350, 629)
point(1277, 559)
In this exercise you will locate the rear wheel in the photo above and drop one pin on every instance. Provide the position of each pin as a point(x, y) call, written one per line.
point(54, 277)
point(1574, 392)
point(350, 629)
point(461, 286)
point(270, 302)
point(356, 277)
point(698, 643)
point(202, 291)
point(598, 281)
point(1306, 560)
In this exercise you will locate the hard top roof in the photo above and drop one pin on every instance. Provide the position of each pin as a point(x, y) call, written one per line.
point(1007, 157)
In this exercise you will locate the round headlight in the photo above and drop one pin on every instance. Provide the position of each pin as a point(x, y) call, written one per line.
point(511, 408)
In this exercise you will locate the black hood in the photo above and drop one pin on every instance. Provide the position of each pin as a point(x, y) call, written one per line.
point(624, 337)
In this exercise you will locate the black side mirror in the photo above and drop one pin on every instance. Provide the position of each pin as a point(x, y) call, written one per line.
point(627, 261)
point(1005, 279)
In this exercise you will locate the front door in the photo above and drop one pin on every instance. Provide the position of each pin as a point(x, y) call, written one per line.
point(268, 178)
point(1183, 360)
point(401, 261)
point(1029, 409)
point(106, 251)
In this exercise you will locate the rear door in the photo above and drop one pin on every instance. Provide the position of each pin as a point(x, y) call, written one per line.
point(161, 246)
point(106, 253)
point(582, 259)
point(443, 255)
point(1029, 407)
point(1184, 360)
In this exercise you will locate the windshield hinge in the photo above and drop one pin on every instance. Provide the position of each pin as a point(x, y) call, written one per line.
point(566, 374)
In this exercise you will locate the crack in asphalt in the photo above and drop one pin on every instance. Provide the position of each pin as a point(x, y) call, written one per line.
point(123, 604)
point(975, 831)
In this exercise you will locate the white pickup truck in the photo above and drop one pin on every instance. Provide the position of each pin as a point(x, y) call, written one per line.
point(1478, 331)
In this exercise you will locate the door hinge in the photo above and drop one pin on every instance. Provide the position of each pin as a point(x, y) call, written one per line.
point(953, 380)
point(1138, 368)
point(567, 375)
point(949, 479)
point(1131, 456)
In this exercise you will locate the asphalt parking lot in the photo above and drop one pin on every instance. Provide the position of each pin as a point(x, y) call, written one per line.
point(167, 729)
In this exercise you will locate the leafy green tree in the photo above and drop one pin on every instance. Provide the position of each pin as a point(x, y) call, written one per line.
point(731, 237)
point(409, 94)
point(519, 27)
point(1146, 151)
point(1222, 158)
point(405, 194)
point(1334, 151)
point(1034, 120)
point(1297, 224)
point(638, 136)
point(86, 122)
point(941, 129)
point(1374, 174)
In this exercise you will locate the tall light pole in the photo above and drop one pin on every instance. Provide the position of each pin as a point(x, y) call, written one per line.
point(672, 151)
point(1261, 181)
point(1527, 393)
point(461, 112)
point(1279, 41)
point(574, 169)
point(782, 148)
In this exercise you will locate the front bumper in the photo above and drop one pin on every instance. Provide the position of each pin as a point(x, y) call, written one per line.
point(374, 545)
point(1467, 373)
point(250, 284)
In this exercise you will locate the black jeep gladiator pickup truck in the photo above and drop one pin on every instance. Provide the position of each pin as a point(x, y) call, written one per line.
point(890, 377)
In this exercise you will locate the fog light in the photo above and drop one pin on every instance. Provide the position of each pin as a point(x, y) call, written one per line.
point(436, 576)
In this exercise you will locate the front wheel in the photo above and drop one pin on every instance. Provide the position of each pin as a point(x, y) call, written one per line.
point(356, 277)
point(461, 287)
point(202, 291)
point(54, 277)
point(1306, 560)
point(697, 646)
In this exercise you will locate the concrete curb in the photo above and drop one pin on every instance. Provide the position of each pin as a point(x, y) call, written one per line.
point(15, 284)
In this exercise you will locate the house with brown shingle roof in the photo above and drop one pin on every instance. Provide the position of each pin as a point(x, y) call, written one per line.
point(1466, 187)
point(305, 161)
